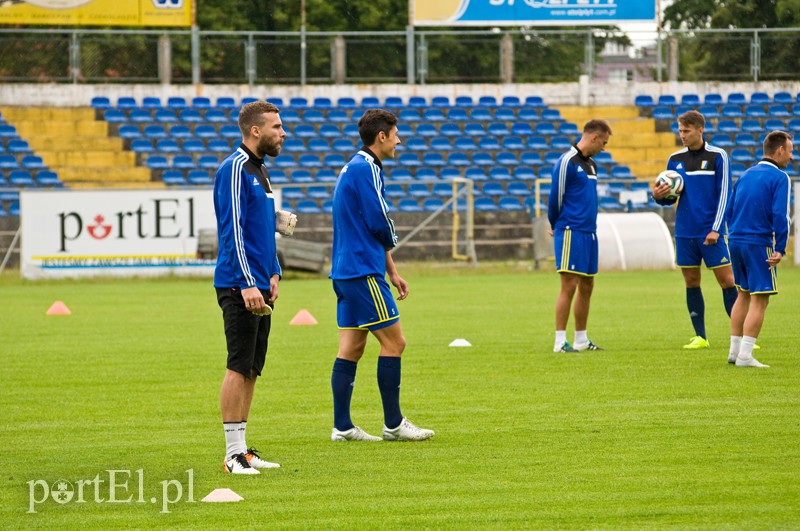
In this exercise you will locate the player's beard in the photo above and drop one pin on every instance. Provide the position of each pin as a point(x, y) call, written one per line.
point(266, 147)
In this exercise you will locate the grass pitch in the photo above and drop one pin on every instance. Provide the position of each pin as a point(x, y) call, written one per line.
point(643, 434)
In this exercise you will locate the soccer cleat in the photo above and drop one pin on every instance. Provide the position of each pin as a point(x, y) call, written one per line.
point(255, 460)
point(697, 343)
point(587, 346)
point(732, 357)
point(353, 434)
point(565, 347)
point(406, 431)
point(237, 464)
point(750, 362)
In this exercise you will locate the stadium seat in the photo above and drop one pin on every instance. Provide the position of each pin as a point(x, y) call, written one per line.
point(530, 158)
point(338, 116)
point(621, 172)
point(537, 142)
point(755, 111)
point(457, 159)
point(507, 158)
point(783, 97)
point(200, 178)
point(609, 203)
point(742, 155)
point(731, 111)
point(499, 173)
point(129, 131)
point(136, 116)
point(18, 145)
point(313, 116)
point(308, 206)
point(370, 102)
point(545, 128)
point(179, 131)
point(475, 173)
point(498, 129)
point(417, 102)
point(440, 143)
point(190, 116)
point(165, 116)
point(142, 145)
point(433, 159)
point(524, 173)
point(745, 139)
point(408, 160)
point(482, 158)
point(394, 102)
point(318, 192)
point(693, 100)
point(183, 162)
point(100, 102)
point(312, 161)
point(551, 157)
point(208, 162)
point(644, 100)
point(426, 130)
point(157, 162)
point(419, 190)
point(534, 101)
point(346, 103)
point(293, 145)
point(126, 102)
point(485, 204)
point(167, 145)
point(752, 126)
point(408, 205)
point(343, 144)
point(794, 125)
point(488, 143)
point(431, 205)
point(301, 176)
point(277, 176)
point(329, 131)
point(304, 131)
point(216, 116)
point(709, 111)
point(667, 100)
point(394, 190)
point(155, 132)
point(474, 129)
point(151, 103)
point(173, 177)
point(553, 115)
point(510, 202)
point(778, 109)
point(201, 102)
point(727, 126)
point(176, 102)
point(401, 174)
point(663, 113)
point(21, 178)
point(713, 99)
point(722, 140)
point(464, 101)
point(513, 143)
point(33, 162)
point(289, 116)
point(8, 131)
point(737, 98)
point(326, 175)
point(760, 98)
point(773, 124)
point(493, 188)
point(560, 142)
point(319, 145)
point(48, 178)
point(207, 131)
point(219, 145)
point(604, 157)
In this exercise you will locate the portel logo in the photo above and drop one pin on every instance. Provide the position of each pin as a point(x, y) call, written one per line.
point(156, 219)
point(168, 4)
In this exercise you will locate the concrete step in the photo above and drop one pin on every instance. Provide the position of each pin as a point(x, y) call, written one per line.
point(644, 154)
point(75, 143)
point(581, 115)
point(647, 171)
point(30, 128)
point(89, 159)
point(47, 114)
point(103, 175)
point(118, 185)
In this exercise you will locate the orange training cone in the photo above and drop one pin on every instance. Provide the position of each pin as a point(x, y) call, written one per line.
point(59, 308)
point(303, 317)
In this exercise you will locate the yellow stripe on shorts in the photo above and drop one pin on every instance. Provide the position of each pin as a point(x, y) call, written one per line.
point(380, 304)
point(565, 250)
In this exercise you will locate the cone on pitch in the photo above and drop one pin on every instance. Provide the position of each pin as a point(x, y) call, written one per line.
point(460, 342)
point(303, 317)
point(222, 495)
point(59, 308)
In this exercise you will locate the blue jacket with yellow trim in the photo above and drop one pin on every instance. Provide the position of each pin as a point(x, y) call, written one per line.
point(573, 193)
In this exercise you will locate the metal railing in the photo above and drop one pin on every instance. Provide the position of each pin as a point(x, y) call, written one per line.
point(411, 56)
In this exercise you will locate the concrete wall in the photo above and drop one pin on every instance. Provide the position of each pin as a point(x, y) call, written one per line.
point(69, 95)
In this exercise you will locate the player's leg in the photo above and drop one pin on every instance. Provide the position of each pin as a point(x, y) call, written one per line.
point(569, 284)
point(738, 315)
point(762, 282)
point(751, 329)
point(688, 256)
point(585, 264)
point(717, 257)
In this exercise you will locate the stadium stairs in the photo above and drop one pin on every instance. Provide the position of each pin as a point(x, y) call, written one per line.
point(76, 145)
point(634, 142)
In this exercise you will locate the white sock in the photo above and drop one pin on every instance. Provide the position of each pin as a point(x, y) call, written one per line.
point(242, 443)
point(736, 342)
point(580, 337)
point(561, 338)
point(232, 438)
point(746, 349)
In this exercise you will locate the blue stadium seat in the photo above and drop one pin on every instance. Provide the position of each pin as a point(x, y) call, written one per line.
point(727, 126)
point(510, 202)
point(518, 188)
point(760, 98)
point(493, 188)
point(18, 145)
point(308, 206)
point(409, 115)
point(193, 145)
point(201, 102)
point(722, 140)
point(370, 102)
point(465, 143)
point(537, 142)
point(8, 131)
point(475, 173)
point(732, 111)
point(742, 155)
point(219, 145)
point(511, 101)
point(417, 102)
point(337, 116)
point(332, 160)
point(432, 205)
point(513, 143)
point(173, 178)
point(545, 128)
point(499, 173)
point(191, 116)
point(507, 158)
point(644, 100)
point(433, 159)
point(457, 159)
point(155, 132)
point(482, 158)
point(783, 97)
point(318, 192)
point(167, 145)
point(142, 145)
point(176, 102)
point(693, 100)
point(329, 131)
point(621, 172)
point(319, 145)
point(433, 115)
point(322, 103)
point(568, 128)
point(408, 205)
point(440, 143)
point(208, 162)
point(305, 131)
point(667, 100)
point(457, 114)
point(394, 102)
point(200, 178)
point(312, 161)
point(129, 132)
point(126, 102)
point(277, 176)
point(216, 116)
point(604, 157)
point(504, 114)
point(179, 131)
point(449, 129)
point(101, 102)
point(346, 103)
point(560, 142)
point(48, 178)
point(709, 111)
point(298, 103)
point(164, 116)
point(426, 130)
point(289, 116)
point(440, 101)
point(464, 101)
point(284, 161)
point(293, 145)
point(326, 176)
point(449, 172)
point(151, 103)
point(209, 131)
point(773, 124)
point(136, 115)
point(21, 178)
point(521, 129)
point(498, 129)
point(480, 114)
point(343, 145)
point(553, 115)
point(489, 143)
point(530, 158)
point(401, 174)
point(745, 139)
point(609, 203)
point(485, 204)
point(419, 190)
point(409, 160)
point(293, 192)
point(394, 190)
point(737, 98)
point(778, 109)
point(183, 162)
point(534, 101)
point(794, 125)
point(487, 101)
point(33, 162)
point(313, 116)
point(301, 176)
point(663, 113)
point(752, 126)
point(351, 130)
point(713, 98)
point(157, 162)
point(474, 129)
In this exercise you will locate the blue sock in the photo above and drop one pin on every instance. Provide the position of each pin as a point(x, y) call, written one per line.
point(389, 385)
point(729, 296)
point(343, 378)
point(697, 310)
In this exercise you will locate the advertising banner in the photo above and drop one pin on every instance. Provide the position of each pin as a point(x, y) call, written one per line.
point(170, 13)
point(118, 233)
point(530, 12)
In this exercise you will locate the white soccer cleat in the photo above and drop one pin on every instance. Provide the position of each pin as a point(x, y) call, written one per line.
point(237, 464)
point(750, 362)
point(732, 357)
point(255, 460)
point(406, 431)
point(353, 434)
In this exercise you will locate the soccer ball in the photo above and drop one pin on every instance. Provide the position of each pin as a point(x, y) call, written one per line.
point(674, 180)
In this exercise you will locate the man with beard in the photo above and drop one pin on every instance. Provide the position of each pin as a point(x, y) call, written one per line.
point(247, 272)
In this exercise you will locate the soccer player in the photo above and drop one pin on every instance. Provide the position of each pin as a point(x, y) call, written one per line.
point(700, 219)
point(572, 211)
point(247, 272)
point(363, 235)
point(758, 218)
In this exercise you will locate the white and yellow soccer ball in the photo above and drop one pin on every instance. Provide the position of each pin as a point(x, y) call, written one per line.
point(674, 180)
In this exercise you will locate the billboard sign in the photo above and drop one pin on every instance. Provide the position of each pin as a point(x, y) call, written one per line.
point(169, 13)
point(530, 12)
point(109, 232)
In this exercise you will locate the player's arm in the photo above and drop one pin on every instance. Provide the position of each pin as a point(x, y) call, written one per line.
point(374, 209)
point(395, 279)
point(558, 185)
point(780, 215)
point(722, 174)
point(661, 191)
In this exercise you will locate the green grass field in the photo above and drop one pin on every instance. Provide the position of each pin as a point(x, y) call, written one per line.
point(641, 435)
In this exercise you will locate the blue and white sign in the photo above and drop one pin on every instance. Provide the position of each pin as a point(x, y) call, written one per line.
point(530, 12)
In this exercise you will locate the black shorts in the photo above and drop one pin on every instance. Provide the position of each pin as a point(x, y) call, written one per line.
point(247, 334)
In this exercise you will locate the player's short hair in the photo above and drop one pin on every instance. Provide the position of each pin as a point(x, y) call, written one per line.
point(774, 140)
point(373, 122)
point(596, 126)
point(253, 114)
point(692, 119)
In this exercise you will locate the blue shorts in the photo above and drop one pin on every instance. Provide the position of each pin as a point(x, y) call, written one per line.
point(690, 252)
point(364, 303)
point(751, 271)
point(576, 252)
